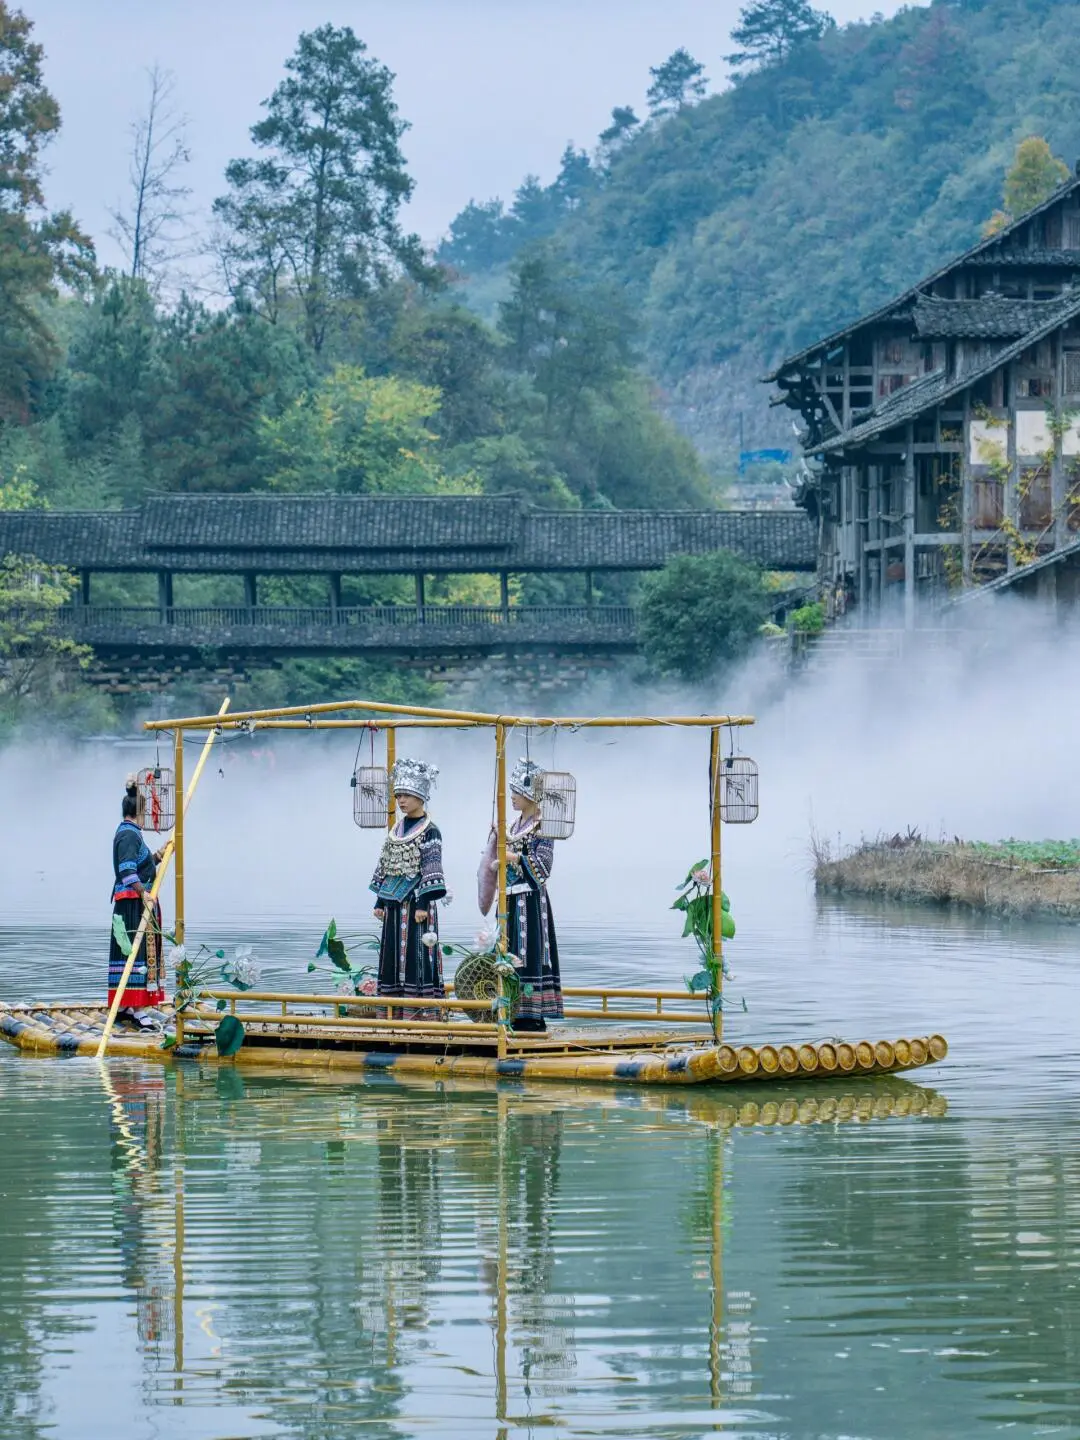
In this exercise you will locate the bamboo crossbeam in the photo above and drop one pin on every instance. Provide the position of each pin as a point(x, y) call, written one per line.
point(298, 997)
point(683, 1017)
point(438, 1028)
point(148, 902)
point(580, 992)
point(468, 717)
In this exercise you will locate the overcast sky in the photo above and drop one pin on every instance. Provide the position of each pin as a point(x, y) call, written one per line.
point(493, 89)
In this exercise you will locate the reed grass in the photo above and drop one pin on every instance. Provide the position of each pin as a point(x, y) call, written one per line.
point(1006, 878)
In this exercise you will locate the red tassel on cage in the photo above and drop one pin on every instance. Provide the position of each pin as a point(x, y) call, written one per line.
point(157, 787)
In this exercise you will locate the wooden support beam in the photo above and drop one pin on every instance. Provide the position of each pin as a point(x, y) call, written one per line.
point(165, 593)
point(504, 595)
point(419, 597)
point(967, 498)
point(335, 596)
point(251, 590)
point(909, 528)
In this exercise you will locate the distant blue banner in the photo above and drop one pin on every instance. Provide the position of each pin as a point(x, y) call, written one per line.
point(762, 457)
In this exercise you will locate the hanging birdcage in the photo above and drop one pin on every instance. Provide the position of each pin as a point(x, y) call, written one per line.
point(371, 797)
point(157, 790)
point(738, 790)
point(558, 805)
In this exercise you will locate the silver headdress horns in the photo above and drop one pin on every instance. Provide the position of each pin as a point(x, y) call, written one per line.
point(527, 779)
point(414, 777)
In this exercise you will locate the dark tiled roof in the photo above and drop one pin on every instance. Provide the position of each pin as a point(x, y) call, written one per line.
point(1009, 259)
point(992, 250)
point(329, 522)
point(930, 390)
point(298, 535)
point(630, 539)
point(991, 317)
point(101, 538)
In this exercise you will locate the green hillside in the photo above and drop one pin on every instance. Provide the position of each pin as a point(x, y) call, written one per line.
point(745, 225)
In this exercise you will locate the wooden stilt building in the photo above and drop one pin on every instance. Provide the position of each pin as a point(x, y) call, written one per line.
point(943, 430)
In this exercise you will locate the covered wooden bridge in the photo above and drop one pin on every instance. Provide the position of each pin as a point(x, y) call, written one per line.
point(353, 544)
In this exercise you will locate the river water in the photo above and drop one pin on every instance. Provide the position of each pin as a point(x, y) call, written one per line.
point(198, 1253)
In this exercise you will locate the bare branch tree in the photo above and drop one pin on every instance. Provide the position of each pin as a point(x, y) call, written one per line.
point(152, 227)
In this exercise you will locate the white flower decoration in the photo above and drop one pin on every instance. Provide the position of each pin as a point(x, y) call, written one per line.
point(429, 939)
point(484, 939)
point(177, 955)
point(448, 898)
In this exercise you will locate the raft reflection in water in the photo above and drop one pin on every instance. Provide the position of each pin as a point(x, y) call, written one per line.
point(382, 1212)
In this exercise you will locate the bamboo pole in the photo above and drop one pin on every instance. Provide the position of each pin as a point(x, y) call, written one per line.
point(468, 717)
point(500, 822)
point(178, 837)
point(148, 905)
point(717, 887)
point(391, 757)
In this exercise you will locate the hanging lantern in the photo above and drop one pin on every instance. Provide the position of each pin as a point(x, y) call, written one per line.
point(157, 790)
point(738, 790)
point(558, 805)
point(371, 797)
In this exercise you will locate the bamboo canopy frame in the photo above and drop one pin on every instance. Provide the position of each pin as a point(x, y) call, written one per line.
point(374, 716)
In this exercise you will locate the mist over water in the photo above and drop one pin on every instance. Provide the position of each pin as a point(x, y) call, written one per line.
point(970, 740)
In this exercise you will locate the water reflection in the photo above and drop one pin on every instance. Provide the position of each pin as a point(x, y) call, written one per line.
point(322, 1258)
point(201, 1253)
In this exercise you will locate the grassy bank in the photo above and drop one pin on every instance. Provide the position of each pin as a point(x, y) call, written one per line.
point(1008, 878)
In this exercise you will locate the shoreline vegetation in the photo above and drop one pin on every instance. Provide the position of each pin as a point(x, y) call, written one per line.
point(1010, 878)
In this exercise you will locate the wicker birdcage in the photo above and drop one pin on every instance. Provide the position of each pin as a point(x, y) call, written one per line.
point(157, 790)
point(371, 797)
point(738, 790)
point(477, 978)
point(558, 805)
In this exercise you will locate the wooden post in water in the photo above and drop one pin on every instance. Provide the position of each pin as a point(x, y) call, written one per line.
point(715, 782)
point(178, 836)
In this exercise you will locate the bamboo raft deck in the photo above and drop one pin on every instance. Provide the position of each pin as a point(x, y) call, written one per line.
point(596, 1044)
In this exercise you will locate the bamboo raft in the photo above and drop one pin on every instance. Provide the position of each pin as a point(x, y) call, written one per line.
point(298, 1033)
point(645, 1037)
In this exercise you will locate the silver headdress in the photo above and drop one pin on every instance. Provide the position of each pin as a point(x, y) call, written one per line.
point(414, 777)
point(527, 779)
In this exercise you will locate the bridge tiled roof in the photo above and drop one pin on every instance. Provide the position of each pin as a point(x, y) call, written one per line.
point(329, 522)
point(375, 535)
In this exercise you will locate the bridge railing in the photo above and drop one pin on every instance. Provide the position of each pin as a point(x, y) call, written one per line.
point(87, 618)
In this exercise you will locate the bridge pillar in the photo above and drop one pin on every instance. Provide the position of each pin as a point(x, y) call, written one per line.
point(335, 597)
point(504, 595)
point(251, 590)
point(165, 593)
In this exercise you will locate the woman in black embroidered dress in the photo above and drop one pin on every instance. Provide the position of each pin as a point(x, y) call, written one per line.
point(134, 869)
point(530, 923)
point(408, 883)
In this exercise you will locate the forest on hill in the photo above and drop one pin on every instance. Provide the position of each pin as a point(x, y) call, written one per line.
point(334, 356)
point(840, 165)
